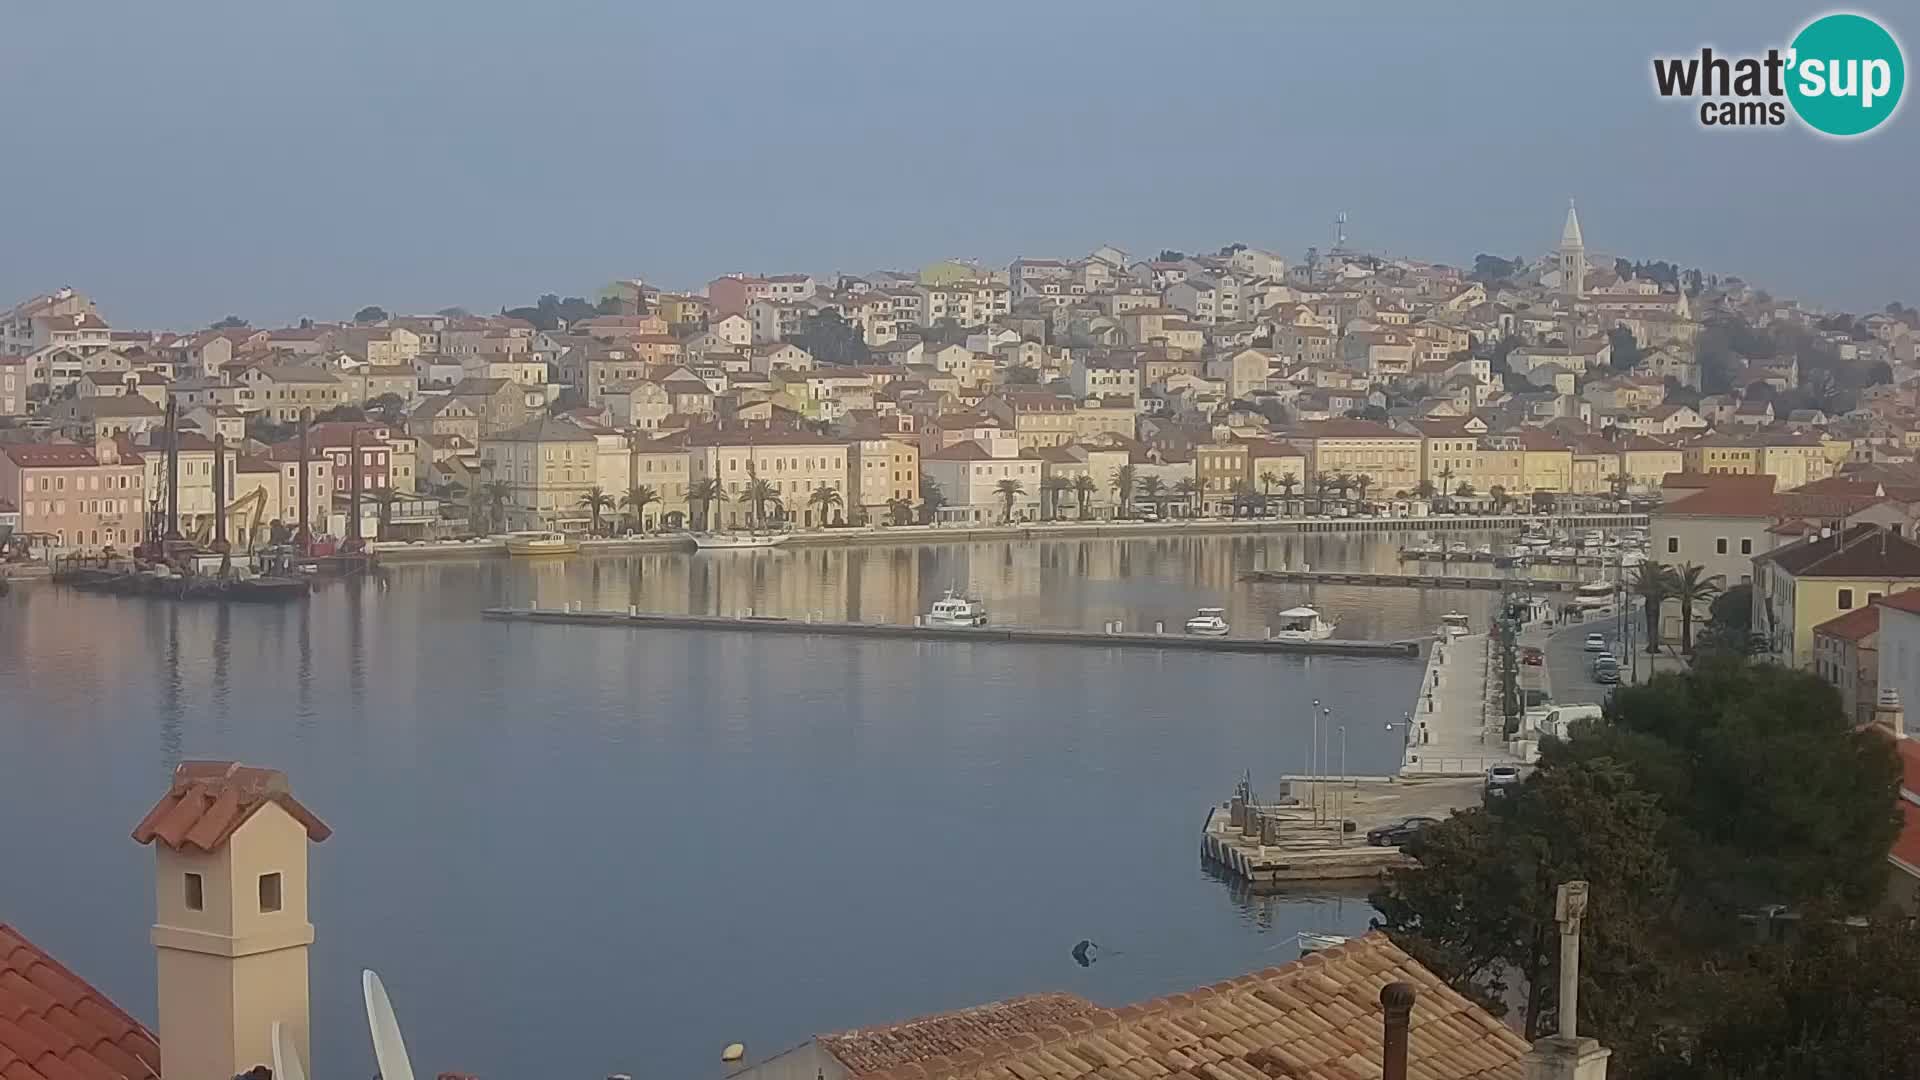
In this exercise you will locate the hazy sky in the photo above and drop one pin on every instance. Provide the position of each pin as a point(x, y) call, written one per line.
point(180, 161)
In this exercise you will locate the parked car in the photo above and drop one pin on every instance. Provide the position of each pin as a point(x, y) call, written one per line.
point(1394, 834)
point(1502, 777)
point(1605, 659)
point(1606, 674)
point(1532, 656)
point(1596, 643)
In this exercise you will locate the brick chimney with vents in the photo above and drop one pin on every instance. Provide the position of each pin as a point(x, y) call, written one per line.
point(230, 929)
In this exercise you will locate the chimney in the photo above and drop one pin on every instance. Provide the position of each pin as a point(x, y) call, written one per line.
point(1396, 1007)
point(230, 929)
point(1888, 714)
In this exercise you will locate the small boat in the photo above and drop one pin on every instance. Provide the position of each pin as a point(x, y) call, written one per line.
point(1311, 942)
point(1209, 622)
point(737, 541)
point(1301, 624)
point(1532, 541)
point(1560, 552)
point(1485, 551)
point(541, 543)
point(1453, 624)
point(956, 610)
point(1632, 558)
point(1458, 547)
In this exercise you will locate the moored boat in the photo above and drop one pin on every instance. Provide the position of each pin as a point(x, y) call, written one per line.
point(533, 543)
point(1302, 624)
point(736, 541)
point(1209, 622)
point(956, 610)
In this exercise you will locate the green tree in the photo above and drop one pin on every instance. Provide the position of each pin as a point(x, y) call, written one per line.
point(1288, 482)
point(704, 496)
point(1464, 490)
point(900, 510)
point(931, 500)
point(1691, 588)
point(759, 494)
point(231, 322)
point(1653, 583)
point(387, 406)
point(372, 313)
point(1446, 475)
point(1729, 627)
point(1152, 491)
point(1626, 351)
point(830, 339)
point(826, 501)
point(1543, 502)
point(1008, 490)
point(1125, 483)
point(1084, 489)
point(635, 503)
point(495, 494)
point(1187, 490)
point(1361, 482)
point(595, 501)
point(1478, 906)
point(1052, 489)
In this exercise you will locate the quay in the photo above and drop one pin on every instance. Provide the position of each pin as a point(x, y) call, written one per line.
point(880, 536)
point(1535, 559)
point(992, 635)
point(1405, 581)
point(1301, 838)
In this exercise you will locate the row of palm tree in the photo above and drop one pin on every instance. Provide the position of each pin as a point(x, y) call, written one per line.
point(1689, 585)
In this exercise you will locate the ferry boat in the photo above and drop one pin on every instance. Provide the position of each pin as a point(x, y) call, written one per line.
point(737, 541)
point(1453, 624)
point(1209, 622)
point(1594, 594)
point(541, 543)
point(955, 610)
point(1302, 624)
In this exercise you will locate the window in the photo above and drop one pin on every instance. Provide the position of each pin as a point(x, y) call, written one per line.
point(1746, 545)
point(1720, 546)
point(270, 892)
point(196, 898)
point(1846, 599)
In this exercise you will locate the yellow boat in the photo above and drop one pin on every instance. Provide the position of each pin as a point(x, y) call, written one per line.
point(530, 544)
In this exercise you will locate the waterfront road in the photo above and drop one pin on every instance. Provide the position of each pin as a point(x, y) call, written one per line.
point(1570, 665)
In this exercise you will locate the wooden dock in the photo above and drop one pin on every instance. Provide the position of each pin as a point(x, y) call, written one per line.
point(985, 635)
point(1406, 581)
point(1273, 846)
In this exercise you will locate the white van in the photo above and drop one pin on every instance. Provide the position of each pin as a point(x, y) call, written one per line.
point(1560, 718)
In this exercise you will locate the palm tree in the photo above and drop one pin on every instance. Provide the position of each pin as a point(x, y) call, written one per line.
point(1051, 489)
point(1084, 488)
point(1187, 489)
point(495, 494)
point(1652, 582)
point(595, 500)
point(1245, 497)
point(1361, 482)
point(704, 494)
point(1008, 490)
point(1288, 482)
point(758, 494)
point(635, 503)
point(1153, 492)
point(1424, 489)
point(826, 499)
point(931, 500)
point(1125, 483)
point(1500, 498)
point(1691, 587)
point(1446, 475)
point(1268, 481)
point(901, 510)
point(384, 499)
point(1620, 480)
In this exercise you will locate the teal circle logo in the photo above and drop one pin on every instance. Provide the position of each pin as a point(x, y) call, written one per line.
point(1846, 74)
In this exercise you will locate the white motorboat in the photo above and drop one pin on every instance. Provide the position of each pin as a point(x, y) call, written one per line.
point(1560, 552)
point(1484, 551)
point(956, 610)
point(1533, 541)
point(1302, 624)
point(541, 543)
point(1311, 942)
point(737, 541)
point(1632, 559)
point(1458, 547)
point(1209, 622)
point(1453, 624)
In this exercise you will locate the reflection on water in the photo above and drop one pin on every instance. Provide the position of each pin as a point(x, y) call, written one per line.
point(571, 849)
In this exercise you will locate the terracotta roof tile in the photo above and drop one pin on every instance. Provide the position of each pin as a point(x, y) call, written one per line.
point(1855, 625)
point(54, 1026)
point(210, 800)
point(1317, 1017)
point(1860, 551)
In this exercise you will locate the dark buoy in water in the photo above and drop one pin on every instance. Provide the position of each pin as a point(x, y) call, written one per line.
point(1083, 953)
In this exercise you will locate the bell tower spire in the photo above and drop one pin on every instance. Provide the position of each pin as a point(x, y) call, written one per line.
point(1573, 256)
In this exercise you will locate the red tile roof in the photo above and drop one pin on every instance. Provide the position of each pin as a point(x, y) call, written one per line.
point(1907, 600)
point(51, 455)
point(1859, 551)
point(1854, 626)
point(1907, 847)
point(53, 1026)
point(870, 1050)
point(1728, 500)
point(1317, 1017)
point(210, 800)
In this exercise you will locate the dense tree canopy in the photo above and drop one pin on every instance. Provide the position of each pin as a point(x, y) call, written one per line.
point(1702, 798)
point(372, 313)
point(1626, 351)
point(831, 339)
point(550, 311)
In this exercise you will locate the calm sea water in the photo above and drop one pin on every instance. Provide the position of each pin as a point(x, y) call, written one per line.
point(576, 851)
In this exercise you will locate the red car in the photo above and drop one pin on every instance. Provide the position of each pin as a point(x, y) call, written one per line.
point(1532, 657)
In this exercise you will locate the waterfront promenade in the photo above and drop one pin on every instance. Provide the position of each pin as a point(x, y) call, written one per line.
point(495, 546)
point(1454, 725)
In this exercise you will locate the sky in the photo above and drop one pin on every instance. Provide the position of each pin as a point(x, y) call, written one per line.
point(183, 162)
